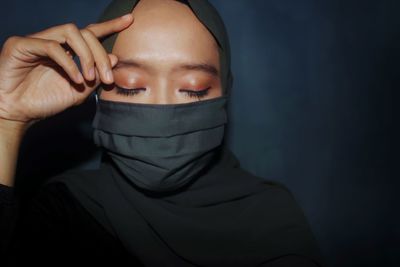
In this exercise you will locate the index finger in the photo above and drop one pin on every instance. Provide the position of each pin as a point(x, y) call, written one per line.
point(110, 26)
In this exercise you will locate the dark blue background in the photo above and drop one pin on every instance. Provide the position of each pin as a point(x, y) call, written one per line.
point(313, 106)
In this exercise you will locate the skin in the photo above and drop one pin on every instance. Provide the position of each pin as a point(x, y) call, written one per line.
point(161, 43)
point(39, 79)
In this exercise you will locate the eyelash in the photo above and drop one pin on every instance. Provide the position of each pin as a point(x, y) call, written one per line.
point(131, 92)
point(128, 92)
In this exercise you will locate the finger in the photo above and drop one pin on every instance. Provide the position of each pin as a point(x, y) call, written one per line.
point(52, 49)
point(101, 58)
point(81, 95)
point(75, 40)
point(110, 26)
point(99, 29)
point(69, 53)
point(69, 36)
point(113, 59)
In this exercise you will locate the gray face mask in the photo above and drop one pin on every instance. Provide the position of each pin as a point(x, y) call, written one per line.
point(160, 147)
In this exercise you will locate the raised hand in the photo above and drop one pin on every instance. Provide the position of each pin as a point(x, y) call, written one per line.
point(38, 76)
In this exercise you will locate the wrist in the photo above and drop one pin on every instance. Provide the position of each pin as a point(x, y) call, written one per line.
point(11, 135)
point(13, 128)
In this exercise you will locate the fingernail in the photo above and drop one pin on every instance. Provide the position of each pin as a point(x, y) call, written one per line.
point(79, 78)
point(127, 16)
point(91, 73)
point(114, 60)
point(109, 76)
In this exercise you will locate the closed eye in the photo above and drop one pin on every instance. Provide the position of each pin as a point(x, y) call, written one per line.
point(196, 93)
point(129, 92)
point(191, 93)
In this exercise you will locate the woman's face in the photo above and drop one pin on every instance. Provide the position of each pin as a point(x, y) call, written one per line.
point(165, 57)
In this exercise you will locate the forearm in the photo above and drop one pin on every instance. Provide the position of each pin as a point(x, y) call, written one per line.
point(11, 134)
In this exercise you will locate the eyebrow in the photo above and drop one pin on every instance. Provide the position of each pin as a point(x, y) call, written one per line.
point(204, 67)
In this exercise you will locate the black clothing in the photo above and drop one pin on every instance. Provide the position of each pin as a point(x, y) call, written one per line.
point(55, 229)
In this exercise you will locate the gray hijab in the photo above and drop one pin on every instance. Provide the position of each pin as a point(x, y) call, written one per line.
point(224, 217)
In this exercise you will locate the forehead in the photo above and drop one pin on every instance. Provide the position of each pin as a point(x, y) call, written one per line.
point(166, 30)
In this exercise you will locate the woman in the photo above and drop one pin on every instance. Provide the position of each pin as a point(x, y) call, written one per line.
point(168, 191)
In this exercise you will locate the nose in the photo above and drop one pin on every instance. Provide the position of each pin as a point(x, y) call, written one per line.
point(162, 94)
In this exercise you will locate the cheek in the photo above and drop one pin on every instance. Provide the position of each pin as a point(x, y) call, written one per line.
point(217, 92)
